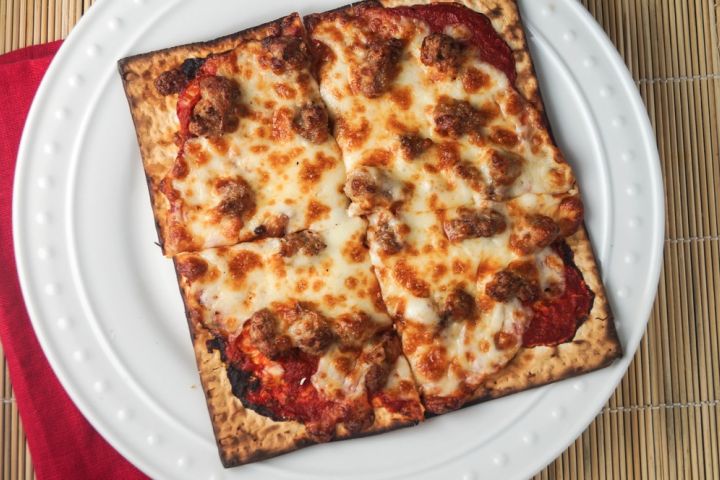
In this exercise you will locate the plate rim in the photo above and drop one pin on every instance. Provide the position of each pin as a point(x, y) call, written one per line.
point(23, 263)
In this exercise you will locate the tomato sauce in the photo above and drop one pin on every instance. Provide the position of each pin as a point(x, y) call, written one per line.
point(289, 397)
point(555, 319)
point(190, 96)
point(492, 47)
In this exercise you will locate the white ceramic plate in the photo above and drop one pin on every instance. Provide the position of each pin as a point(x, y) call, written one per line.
point(105, 305)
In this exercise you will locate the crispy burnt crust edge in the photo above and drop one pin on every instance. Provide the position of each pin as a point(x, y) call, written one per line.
point(242, 435)
point(154, 115)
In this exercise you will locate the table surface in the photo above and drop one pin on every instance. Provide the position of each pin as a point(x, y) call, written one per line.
point(663, 421)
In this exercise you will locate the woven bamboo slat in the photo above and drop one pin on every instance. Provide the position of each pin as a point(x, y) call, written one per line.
point(663, 421)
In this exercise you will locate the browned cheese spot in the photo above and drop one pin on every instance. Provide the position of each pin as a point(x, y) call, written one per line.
point(515, 105)
point(353, 136)
point(402, 97)
point(459, 267)
point(412, 146)
point(344, 364)
point(259, 148)
point(504, 137)
point(439, 270)
point(408, 277)
point(459, 305)
point(474, 80)
point(285, 91)
point(354, 250)
point(434, 363)
point(219, 144)
point(505, 340)
point(197, 153)
point(486, 267)
point(311, 171)
point(191, 267)
point(301, 286)
point(282, 125)
point(351, 283)
point(415, 337)
point(449, 155)
point(279, 161)
point(571, 212)
point(241, 265)
point(179, 239)
point(316, 211)
point(377, 157)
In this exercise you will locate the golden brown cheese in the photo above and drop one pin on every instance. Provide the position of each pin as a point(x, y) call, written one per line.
point(460, 287)
point(456, 132)
point(274, 170)
point(292, 291)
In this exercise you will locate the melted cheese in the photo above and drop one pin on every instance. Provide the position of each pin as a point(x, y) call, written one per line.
point(365, 126)
point(246, 278)
point(469, 349)
point(288, 175)
point(249, 277)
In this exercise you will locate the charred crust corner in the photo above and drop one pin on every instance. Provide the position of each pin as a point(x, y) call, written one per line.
point(176, 79)
point(242, 383)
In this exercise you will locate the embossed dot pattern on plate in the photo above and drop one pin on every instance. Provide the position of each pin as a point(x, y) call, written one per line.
point(43, 268)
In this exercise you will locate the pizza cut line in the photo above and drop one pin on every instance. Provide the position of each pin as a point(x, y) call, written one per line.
point(369, 220)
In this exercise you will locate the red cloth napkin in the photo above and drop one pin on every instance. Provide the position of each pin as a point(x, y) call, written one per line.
point(62, 443)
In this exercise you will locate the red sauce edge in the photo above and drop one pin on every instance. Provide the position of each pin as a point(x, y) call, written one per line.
point(556, 319)
point(286, 398)
point(492, 47)
point(190, 96)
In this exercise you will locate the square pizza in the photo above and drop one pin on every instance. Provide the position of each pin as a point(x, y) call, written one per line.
point(369, 220)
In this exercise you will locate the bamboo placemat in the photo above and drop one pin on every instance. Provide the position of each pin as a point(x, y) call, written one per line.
point(664, 418)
